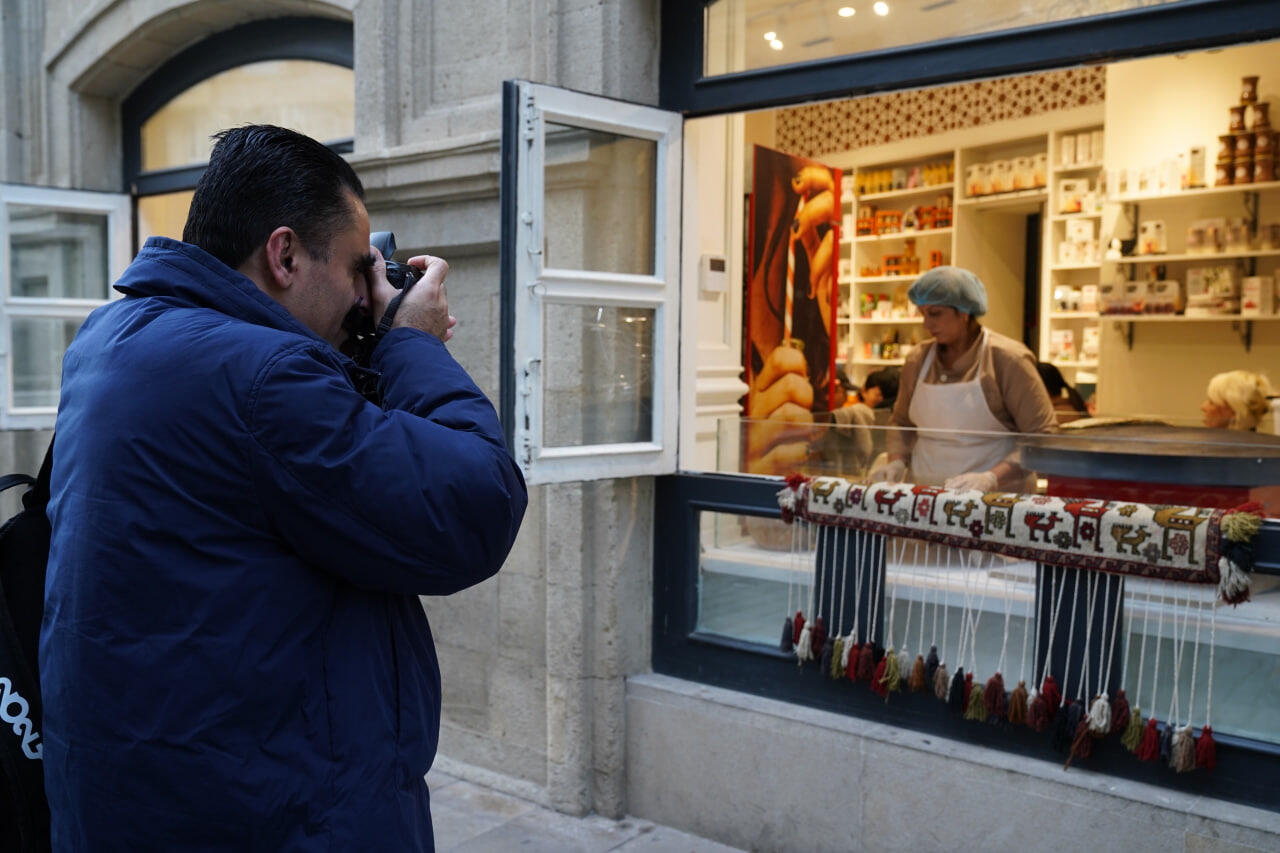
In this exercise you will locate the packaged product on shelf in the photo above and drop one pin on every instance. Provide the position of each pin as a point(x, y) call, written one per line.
point(1068, 254)
point(1066, 298)
point(884, 307)
point(1170, 178)
point(1040, 170)
point(1244, 145)
point(1213, 291)
point(1084, 148)
point(1249, 89)
point(1226, 148)
point(1062, 345)
point(1089, 298)
point(1264, 170)
point(1261, 118)
point(1071, 192)
point(1264, 142)
point(1001, 176)
point(1258, 296)
point(1080, 230)
point(845, 269)
point(1237, 118)
point(901, 308)
point(1089, 339)
point(973, 184)
point(1112, 298)
point(1237, 236)
point(866, 305)
point(1205, 236)
point(1067, 150)
point(913, 177)
point(1242, 171)
point(1023, 174)
point(899, 179)
point(1149, 179)
point(1151, 238)
point(1135, 296)
point(1269, 236)
point(1195, 167)
point(1163, 296)
point(1095, 142)
point(1223, 172)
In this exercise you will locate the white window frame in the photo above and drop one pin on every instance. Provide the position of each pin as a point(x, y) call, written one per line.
point(115, 207)
point(536, 287)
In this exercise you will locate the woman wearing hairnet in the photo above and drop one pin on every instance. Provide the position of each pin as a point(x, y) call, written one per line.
point(963, 389)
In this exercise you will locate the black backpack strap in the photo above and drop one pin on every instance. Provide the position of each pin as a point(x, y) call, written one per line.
point(8, 481)
point(21, 744)
point(37, 497)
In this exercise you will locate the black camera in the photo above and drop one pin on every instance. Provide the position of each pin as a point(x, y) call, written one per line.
point(362, 335)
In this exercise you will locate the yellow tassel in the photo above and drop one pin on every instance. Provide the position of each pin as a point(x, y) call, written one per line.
point(892, 678)
point(976, 710)
point(1241, 526)
point(1133, 732)
point(837, 659)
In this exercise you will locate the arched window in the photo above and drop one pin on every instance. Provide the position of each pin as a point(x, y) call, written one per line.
point(294, 72)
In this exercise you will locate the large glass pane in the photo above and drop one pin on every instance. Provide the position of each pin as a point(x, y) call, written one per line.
point(163, 215)
point(600, 201)
point(314, 98)
point(749, 575)
point(57, 254)
point(598, 375)
point(36, 360)
point(747, 34)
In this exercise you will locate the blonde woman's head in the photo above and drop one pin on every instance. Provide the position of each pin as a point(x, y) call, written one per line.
point(1236, 399)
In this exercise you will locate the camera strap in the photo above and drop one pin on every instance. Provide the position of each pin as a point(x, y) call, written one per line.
point(389, 315)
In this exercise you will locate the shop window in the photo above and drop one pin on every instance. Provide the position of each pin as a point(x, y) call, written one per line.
point(591, 275)
point(292, 72)
point(744, 35)
point(61, 251)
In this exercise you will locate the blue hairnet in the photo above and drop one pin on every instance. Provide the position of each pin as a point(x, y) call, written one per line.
point(951, 286)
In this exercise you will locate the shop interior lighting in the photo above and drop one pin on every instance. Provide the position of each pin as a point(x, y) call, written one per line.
point(776, 44)
point(771, 36)
point(846, 11)
point(881, 8)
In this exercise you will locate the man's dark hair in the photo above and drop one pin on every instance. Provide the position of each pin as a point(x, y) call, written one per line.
point(261, 177)
point(886, 379)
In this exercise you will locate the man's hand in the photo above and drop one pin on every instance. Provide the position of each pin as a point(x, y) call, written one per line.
point(426, 305)
point(784, 397)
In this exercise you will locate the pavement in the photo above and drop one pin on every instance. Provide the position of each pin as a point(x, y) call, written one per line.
point(469, 818)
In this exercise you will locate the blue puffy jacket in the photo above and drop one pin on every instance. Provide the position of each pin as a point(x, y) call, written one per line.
point(233, 655)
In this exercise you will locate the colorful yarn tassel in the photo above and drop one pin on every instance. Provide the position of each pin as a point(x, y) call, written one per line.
point(955, 696)
point(866, 662)
point(1039, 714)
point(941, 682)
point(1018, 704)
point(1183, 753)
point(1065, 726)
point(837, 659)
point(1100, 716)
point(892, 678)
point(1052, 695)
point(819, 635)
point(931, 665)
point(797, 625)
point(975, 710)
point(855, 656)
point(788, 636)
point(1132, 736)
point(1166, 745)
point(1149, 746)
point(828, 653)
point(878, 680)
point(1081, 744)
point(993, 699)
point(1120, 712)
point(1206, 749)
point(917, 680)
point(804, 646)
point(1239, 526)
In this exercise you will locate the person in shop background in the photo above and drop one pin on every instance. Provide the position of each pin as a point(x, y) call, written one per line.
point(1236, 399)
point(1067, 402)
point(234, 655)
point(880, 390)
point(963, 389)
point(790, 383)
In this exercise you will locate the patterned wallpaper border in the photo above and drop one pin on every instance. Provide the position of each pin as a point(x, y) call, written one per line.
point(819, 129)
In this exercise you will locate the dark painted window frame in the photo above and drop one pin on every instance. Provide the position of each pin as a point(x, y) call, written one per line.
point(1169, 28)
point(317, 39)
point(1246, 768)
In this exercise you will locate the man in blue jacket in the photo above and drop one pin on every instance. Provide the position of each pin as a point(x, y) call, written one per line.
point(234, 656)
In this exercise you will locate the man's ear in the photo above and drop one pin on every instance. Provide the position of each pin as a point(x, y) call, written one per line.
point(282, 249)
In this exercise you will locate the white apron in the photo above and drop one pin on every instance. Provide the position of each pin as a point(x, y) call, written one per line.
point(954, 406)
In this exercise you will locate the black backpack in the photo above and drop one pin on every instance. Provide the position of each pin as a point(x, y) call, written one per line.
point(24, 555)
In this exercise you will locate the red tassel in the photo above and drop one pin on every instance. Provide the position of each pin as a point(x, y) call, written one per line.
point(1018, 704)
point(866, 662)
point(993, 696)
point(796, 627)
point(916, 682)
point(1082, 744)
point(1052, 695)
point(1206, 750)
point(1149, 748)
point(1120, 712)
point(851, 671)
point(877, 687)
point(818, 637)
point(796, 480)
point(1039, 714)
point(968, 687)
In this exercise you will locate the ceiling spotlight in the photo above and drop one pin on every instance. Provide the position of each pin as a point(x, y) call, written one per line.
point(775, 44)
point(771, 36)
point(846, 11)
point(881, 8)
